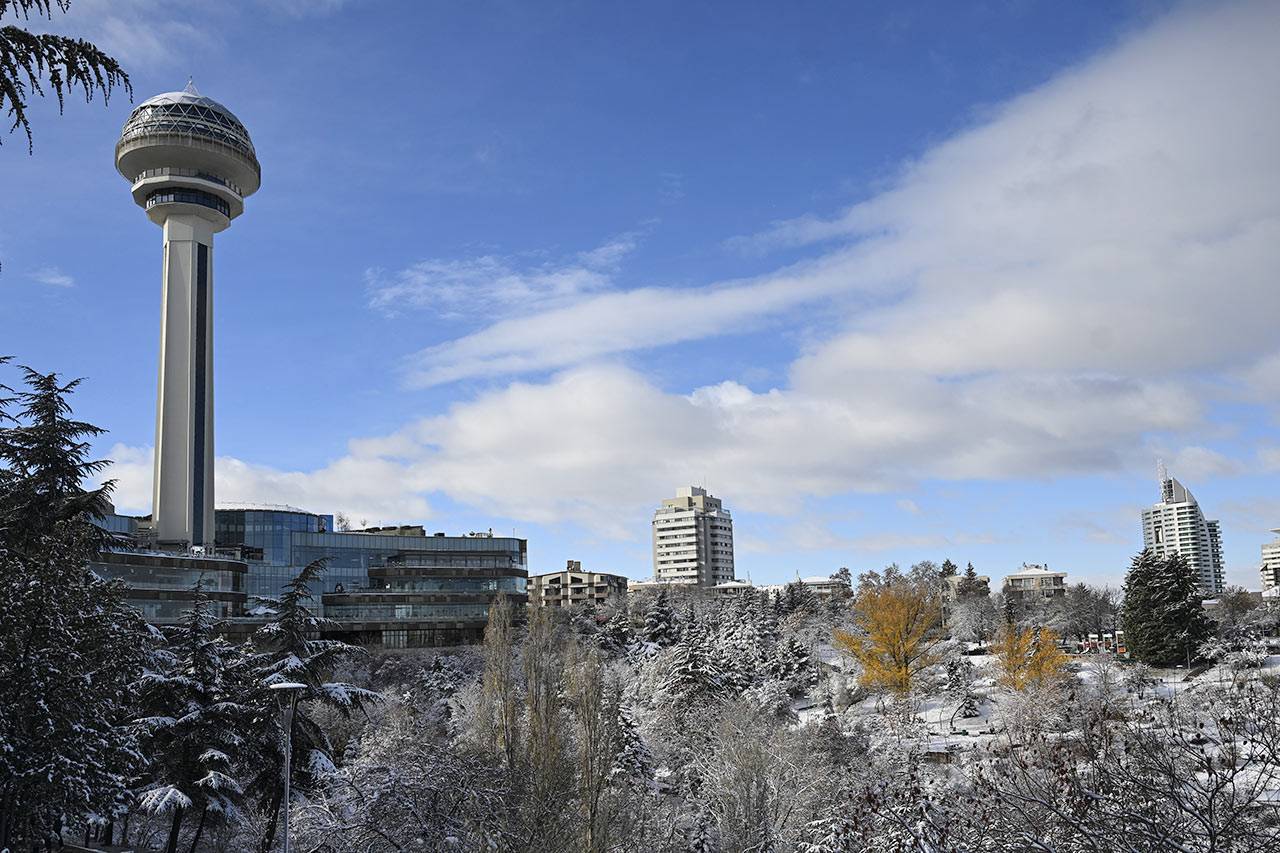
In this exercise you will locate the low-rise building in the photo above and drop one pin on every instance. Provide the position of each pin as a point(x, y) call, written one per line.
point(1035, 581)
point(1271, 563)
point(573, 586)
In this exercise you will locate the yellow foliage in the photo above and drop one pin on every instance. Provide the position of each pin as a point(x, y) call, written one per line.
point(896, 621)
point(1029, 657)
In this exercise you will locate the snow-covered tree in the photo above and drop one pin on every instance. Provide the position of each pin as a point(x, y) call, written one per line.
point(660, 626)
point(832, 832)
point(692, 669)
point(1164, 622)
point(192, 726)
point(70, 647)
point(288, 648)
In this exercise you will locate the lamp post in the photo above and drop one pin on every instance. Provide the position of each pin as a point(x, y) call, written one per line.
point(291, 688)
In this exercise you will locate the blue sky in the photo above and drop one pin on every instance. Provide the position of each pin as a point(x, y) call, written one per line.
point(897, 281)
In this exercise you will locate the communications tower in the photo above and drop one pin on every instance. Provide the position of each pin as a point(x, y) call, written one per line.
point(191, 164)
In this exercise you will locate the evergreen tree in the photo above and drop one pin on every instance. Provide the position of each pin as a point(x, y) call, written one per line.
point(949, 569)
point(193, 725)
point(693, 669)
point(617, 635)
point(660, 625)
point(701, 835)
point(289, 649)
point(30, 61)
point(971, 586)
point(633, 764)
point(1164, 622)
point(70, 646)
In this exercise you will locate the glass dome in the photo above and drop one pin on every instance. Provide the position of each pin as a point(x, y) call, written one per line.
point(188, 113)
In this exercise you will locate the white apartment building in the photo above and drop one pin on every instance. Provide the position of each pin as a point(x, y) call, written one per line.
point(1271, 563)
point(1035, 581)
point(692, 539)
point(1177, 526)
point(574, 586)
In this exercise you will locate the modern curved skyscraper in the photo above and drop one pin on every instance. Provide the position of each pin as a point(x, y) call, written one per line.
point(191, 164)
point(1176, 525)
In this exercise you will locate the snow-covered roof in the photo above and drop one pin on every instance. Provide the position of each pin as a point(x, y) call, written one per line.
point(1034, 571)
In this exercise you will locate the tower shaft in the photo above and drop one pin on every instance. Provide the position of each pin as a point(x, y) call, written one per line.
point(183, 484)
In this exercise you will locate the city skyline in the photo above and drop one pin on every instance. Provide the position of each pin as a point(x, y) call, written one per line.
point(516, 374)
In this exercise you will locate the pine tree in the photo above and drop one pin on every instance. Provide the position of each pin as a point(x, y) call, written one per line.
point(660, 625)
point(633, 764)
point(289, 649)
point(617, 635)
point(32, 61)
point(193, 725)
point(692, 670)
point(701, 835)
point(70, 646)
point(1164, 622)
point(949, 569)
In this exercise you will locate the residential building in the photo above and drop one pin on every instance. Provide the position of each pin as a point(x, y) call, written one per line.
point(951, 586)
point(693, 539)
point(1035, 581)
point(1271, 563)
point(1176, 525)
point(731, 589)
point(574, 586)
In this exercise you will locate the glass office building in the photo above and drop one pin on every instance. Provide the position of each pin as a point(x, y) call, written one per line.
point(437, 593)
point(263, 536)
point(161, 585)
point(395, 587)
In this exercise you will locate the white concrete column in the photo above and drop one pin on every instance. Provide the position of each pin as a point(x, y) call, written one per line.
point(182, 504)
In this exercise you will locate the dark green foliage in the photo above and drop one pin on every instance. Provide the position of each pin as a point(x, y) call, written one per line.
point(192, 725)
point(660, 622)
point(971, 586)
point(1164, 622)
point(70, 648)
point(29, 61)
point(289, 649)
point(949, 568)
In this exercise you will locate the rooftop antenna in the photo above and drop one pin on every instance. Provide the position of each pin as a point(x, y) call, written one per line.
point(191, 87)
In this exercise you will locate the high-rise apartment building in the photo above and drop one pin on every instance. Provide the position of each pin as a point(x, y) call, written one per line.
point(1177, 526)
point(1271, 563)
point(692, 539)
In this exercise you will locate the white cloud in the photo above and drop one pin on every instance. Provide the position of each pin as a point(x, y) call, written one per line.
point(368, 483)
point(1044, 294)
point(488, 284)
point(1117, 219)
point(908, 506)
point(53, 276)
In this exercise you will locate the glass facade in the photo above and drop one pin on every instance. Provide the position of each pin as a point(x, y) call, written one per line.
point(188, 196)
point(382, 588)
point(121, 524)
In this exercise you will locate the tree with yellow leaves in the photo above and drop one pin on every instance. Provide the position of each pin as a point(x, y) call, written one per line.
point(896, 638)
point(1029, 658)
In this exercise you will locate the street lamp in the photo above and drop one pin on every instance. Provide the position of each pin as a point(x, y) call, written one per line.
point(292, 688)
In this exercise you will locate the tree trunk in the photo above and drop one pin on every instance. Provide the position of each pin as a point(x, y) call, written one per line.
point(174, 829)
point(269, 838)
point(195, 842)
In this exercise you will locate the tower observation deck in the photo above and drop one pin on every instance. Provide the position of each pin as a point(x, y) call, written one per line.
point(191, 165)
